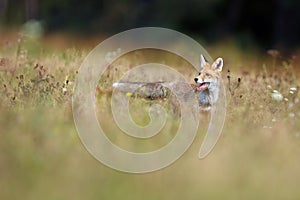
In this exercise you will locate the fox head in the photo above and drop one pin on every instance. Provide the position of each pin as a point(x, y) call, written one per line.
point(209, 74)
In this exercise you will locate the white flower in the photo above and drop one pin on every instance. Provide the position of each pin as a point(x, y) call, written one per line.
point(293, 89)
point(108, 57)
point(269, 127)
point(291, 115)
point(277, 96)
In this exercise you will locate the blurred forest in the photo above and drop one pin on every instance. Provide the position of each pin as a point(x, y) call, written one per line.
point(266, 24)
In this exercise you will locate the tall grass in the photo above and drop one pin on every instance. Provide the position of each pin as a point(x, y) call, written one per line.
point(41, 156)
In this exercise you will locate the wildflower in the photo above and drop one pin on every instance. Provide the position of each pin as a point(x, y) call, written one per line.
point(291, 115)
point(277, 96)
point(294, 89)
point(269, 127)
point(128, 94)
point(108, 57)
point(111, 55)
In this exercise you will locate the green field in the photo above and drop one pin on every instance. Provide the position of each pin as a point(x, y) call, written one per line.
point(42, 157)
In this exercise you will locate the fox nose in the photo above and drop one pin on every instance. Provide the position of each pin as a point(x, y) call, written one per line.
point(196, 80)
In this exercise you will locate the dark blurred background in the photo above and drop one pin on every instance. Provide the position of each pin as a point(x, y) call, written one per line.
point(266, 24)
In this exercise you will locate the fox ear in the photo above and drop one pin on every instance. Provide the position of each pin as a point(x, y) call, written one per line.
point(218, 64)
point(202, 61)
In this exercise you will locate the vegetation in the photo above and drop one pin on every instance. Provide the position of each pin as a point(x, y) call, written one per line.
point(41, 156)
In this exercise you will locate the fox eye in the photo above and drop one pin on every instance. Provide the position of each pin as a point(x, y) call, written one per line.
point(199, 73)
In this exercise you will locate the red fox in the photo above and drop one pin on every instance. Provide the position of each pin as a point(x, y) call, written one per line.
point(207, 87)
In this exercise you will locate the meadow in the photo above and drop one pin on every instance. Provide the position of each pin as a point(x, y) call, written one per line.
point(42, 157)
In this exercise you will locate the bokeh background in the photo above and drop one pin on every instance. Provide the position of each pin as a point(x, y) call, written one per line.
point(267, 24)
point(44, 42)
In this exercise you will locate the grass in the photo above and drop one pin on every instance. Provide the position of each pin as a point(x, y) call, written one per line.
point(41, 156)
